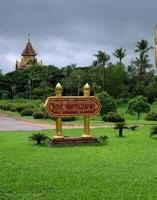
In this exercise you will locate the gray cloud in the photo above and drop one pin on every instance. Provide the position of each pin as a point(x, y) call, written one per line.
point(71, 31)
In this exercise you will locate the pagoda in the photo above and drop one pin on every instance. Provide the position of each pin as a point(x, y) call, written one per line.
point(28, 56)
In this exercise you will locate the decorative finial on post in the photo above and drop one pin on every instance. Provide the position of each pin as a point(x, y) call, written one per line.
point(86, 90)
point(58, 90)
point(29, 37)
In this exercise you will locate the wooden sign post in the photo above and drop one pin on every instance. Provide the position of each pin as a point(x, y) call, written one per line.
point(64, 106)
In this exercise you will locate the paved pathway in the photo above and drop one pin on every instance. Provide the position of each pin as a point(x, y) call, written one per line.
point(13, 124)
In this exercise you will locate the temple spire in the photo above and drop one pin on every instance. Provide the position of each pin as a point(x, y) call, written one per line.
point(29, 37)
point(29, 51)
point(28, 56)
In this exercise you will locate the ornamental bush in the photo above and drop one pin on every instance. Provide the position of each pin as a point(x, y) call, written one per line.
point(138, 105)
point(27, 111)
point(39, 115)
point(113, 117)
point(107, 102)
point(20, 107)
point(12, 108)
point(153, 133)
point(5, 106)
point(152, 116)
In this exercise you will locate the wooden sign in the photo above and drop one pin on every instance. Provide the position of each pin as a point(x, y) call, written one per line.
point(72, 106)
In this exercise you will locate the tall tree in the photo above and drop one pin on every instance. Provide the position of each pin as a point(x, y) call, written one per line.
point(142, 47)
point(142, 61)
point(120, 54)
point(101, 61)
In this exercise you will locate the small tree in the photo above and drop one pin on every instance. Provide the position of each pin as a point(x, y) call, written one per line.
point(138, 105)
point(107, 102)
point(120, 126)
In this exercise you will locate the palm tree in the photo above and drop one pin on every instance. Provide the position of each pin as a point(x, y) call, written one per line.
point(38, 137)
point(142, 47)
point(102, 58)
point(142, 62)
point(120, 54)
point(120, 126)
point(101, 61)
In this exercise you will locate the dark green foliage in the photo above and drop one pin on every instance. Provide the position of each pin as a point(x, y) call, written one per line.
point(4, 94)
point(120, 54)
point(68, 119)
point(151, 92)
point(39, 138)
point(5, 106)
point(103, 139)
point(12, 108)
point(152, 116)
point(138, 105)
point(20, 107)
point(28, 111)
point(118, 80)
point(42, 93)
point(153, 133)
point(120, 126)
point(116, 77)
point(133, 127)
point(107, 102)
point(113, 117)
point(39, 115)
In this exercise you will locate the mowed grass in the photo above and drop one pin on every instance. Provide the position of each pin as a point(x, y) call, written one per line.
point(125, 168)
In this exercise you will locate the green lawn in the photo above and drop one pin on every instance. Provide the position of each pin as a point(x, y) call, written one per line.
point(125, 168)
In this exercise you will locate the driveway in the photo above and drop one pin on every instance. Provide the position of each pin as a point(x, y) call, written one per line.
point(12, 124)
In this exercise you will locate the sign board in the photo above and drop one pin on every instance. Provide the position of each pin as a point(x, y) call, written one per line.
point(72, 106)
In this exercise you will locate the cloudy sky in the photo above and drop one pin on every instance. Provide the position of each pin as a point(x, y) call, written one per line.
point(71, 31)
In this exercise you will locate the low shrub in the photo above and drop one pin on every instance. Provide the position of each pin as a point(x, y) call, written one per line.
point(133, 127)
point(27, 111)
point(20, 107)
point(39, 115)
point(113, 117)
point(5, 106)
point(68, 119)
point(12, 108)
point(153, 133)
point(152, 116)
point(102, 139)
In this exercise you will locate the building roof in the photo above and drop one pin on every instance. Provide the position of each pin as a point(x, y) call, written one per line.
point(29, 51)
